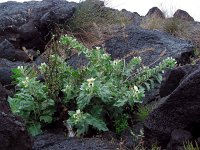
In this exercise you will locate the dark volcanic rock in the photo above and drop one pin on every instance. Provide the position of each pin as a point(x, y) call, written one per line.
point(183, 15)
point(174, 77)
point(155, 12)
point(8, 51)
point(134, 17)
point(5, 70)
point(29, 24)
point(59, 142)
point(4, 106)
point(178, 138)
point(13, 134)
point(180, 110)
point(152, 46)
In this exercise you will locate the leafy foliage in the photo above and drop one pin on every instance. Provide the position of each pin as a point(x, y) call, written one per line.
point(99, 92)
point(31, 100)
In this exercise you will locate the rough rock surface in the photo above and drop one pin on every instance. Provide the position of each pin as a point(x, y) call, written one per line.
point(174, 77)
point(180, 110)
point(59, 142)
point(183, 15)
point(133, 17)
point(152, 46)
point(5, 70)
point(4, 106)
point(13, 134)
point(29, 24)
point(178, 137)
point(155, 12)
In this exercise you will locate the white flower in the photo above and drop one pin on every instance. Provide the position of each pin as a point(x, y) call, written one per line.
point(98, 48)
point(91, 82)
point(115, 62)
point(20, 67)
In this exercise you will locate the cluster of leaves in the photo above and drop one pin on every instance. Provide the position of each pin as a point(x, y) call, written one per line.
point(31, 101)
point(99, 91)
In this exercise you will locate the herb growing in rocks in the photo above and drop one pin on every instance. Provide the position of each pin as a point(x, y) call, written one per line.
point(99, 91)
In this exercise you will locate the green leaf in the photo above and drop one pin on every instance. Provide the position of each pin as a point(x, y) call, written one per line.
point(46, 119)
point(96, 122)
point(35, 129)
point(147, 86)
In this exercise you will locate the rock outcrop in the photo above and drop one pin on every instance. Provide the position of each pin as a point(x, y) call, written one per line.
point(183, 15)
point(155, 12)
point(179, 111)
point(28, 24)
point(13, 134)
point(152, 46)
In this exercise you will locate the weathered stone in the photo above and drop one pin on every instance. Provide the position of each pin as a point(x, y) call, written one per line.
point(180, 110)
point(13, 134)
point(178, 139)
point(155, 12)
point(174, 77)
point(152, 46)
point(4, 106)
point(183, 15)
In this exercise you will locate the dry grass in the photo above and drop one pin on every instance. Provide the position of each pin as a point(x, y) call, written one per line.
point(152, 23)
point(92, 23)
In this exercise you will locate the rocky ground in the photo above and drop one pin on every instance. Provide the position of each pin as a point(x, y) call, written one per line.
point(25, 28)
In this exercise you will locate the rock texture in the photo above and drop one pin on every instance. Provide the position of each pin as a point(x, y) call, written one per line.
point(155, 12)
point(59, 142)
point(29, 24)
point(152, 46)
point(4, 106)
point(183, 15)
point(13, 134)
point(180, 110)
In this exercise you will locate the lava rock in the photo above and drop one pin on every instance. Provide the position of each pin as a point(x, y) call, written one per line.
point(5, 70)
point(183, 15)
point(174, 77)
point(152, 46)
point(155, 12)
point(59, 142)
point(13, 134)
point(178, 138)
point(8, 51)
point(133, 17)
point(29, 24)
point(4, 106)
point(180, 110)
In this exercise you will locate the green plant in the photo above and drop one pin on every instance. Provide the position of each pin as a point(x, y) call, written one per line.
point(99, 91)
point(190, 146)
point(31, 101)
point(109, 85)
point(143, 113)
point(121, 123)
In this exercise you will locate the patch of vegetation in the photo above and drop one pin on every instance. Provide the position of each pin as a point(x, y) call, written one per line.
point(175, 27)
point(152, 23)
point(190, 146)
point(143, 113)
point(92, 21)
point(94, 95)
point(121, 124)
